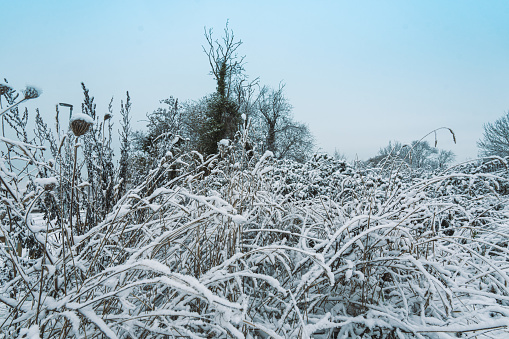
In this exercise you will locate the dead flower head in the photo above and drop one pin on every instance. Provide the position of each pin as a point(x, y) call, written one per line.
point(31, 92)
point(80, 123)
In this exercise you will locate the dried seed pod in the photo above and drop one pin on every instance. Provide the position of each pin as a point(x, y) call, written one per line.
point(50, 186)
point(79, 127)
point(80, 123)
point(4, 89)
point(31, 92)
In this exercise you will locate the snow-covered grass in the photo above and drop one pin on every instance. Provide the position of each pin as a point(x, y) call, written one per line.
point(264, 248)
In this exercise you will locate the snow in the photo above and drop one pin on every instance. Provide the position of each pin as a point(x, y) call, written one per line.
point(84, 184)
point(224, 142)
point(82, 116)
point(267, 155)
point(30, 333)
point(43, 182)
point(74, 320)
point(92, 316)
point(22, 145)
point(267, 248)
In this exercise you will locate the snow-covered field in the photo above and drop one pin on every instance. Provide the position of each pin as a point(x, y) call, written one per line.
point(277, 249)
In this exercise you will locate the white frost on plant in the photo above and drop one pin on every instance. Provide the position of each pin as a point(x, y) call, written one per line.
point(277, 249)
point(82, 116)
point(31, 333)
point(267, 155)
point(90, 314)
point(224, 142)
point(46, 181)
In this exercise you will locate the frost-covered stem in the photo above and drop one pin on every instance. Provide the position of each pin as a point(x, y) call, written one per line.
point(7, 189)
point(76, 145)
point(198, 253)
point(64, 235)
point(365, 252)
point(13, 106)
point(11, 230)
point(8, 147)
point(299, 315)
point(41, 284)
point(409, 153)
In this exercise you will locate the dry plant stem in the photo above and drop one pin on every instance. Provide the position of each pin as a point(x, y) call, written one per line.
point(41, 282)
point(13, 106)
point(70, 212)
point(72, 189)
point(62, 228)
point(15, 309)
point(8, 189)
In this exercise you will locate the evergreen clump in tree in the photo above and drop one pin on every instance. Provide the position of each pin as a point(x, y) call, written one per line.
point(223, 118)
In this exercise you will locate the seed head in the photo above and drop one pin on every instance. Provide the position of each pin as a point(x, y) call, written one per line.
point(49, 186)
point(31, 92)
point(4, 89)
point(79, 127)
point(80, 123)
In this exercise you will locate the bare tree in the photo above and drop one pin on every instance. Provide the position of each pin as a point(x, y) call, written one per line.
point(164, 125)
point(283, 136)
point(495, 139)
point(236, 97)
point(444, 158)
point(295, 142)
point(338, 155)
point(419, 154)
point(274, 109)
point(246, 96)
point(224, 61)
point(193, 121)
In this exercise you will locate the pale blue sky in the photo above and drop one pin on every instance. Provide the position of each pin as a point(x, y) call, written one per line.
point(359, 73)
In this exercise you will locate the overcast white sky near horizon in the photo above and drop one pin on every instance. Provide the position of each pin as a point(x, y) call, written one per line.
point(359, 73)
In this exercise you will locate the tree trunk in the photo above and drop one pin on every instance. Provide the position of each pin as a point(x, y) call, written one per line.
point(271, 137)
